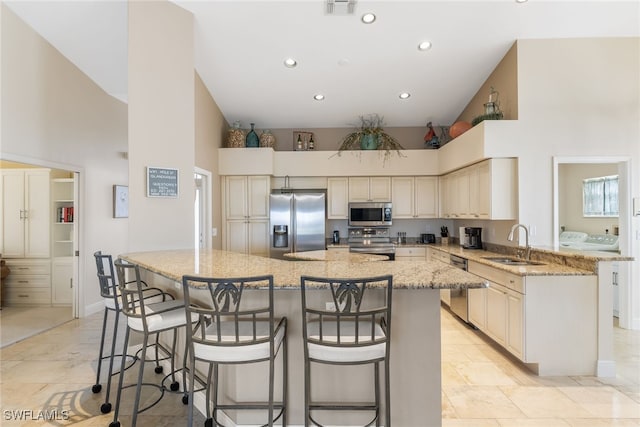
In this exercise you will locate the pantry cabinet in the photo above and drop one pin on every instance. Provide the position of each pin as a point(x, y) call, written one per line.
point(29, 282)
point(414, 197)
point(370, 189)
point(62, 281)
point(25, 213)
point(247, 214)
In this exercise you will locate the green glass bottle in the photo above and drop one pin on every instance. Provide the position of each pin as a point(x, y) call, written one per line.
point(252, 138)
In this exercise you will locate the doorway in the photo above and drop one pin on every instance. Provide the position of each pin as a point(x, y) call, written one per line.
point(202, 209)
point(53, 284)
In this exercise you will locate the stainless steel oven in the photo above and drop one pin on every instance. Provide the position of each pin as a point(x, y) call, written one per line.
point(372, 240)
point(458, 302)
point(370, 214)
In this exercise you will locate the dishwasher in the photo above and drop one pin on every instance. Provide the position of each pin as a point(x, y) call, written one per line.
point(459, 296)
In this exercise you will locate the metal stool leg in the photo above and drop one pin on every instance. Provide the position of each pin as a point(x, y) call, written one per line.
point(115, 422)
point(136, 404)
point(376, 373)
point(97, 387)
point(105, 408)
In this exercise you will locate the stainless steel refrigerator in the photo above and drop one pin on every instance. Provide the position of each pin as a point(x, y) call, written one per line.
point(297, 222)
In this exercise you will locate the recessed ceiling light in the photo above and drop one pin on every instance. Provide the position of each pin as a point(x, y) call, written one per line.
point(404, 95)
point(318, 97)
point(425, 45)
point(290, 63)
point(368, 18)
point(521, 1)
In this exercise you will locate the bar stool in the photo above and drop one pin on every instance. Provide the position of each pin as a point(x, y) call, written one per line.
point(233, 331)
point(110, 296)
point(355, 331)
point(147, 318)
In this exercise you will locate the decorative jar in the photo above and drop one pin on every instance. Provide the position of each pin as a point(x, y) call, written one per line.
point(267, 139)
point(252, 138)
point(235, 137)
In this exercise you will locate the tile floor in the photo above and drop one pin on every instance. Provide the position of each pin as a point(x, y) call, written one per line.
point(481, 385)
point(23, 322)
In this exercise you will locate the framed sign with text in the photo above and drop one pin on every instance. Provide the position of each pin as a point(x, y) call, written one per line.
point(162, 182)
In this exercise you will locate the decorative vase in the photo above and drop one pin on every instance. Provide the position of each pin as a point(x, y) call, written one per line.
point(369, 142)
point(267, 139)
point(252, 137)
point(235, 137)
point(458, 128)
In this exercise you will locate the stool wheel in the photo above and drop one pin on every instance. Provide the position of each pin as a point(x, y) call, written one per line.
point(114, 424)
point(185, 399)
point(174, 386)
point(96, 388)
point(208, 422)
point(158, 369)
point(105, 408)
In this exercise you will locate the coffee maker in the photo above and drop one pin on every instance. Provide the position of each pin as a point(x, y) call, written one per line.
point(472, 238)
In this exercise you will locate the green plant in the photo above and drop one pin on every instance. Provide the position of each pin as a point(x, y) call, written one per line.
point(370, 125)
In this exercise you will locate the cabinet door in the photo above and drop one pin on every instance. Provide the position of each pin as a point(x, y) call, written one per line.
point(403, 197)
point(496, 313)
point(461, 194)
point(337, 198)
point(359, 189)
point(445, 196)
point(480, 190)
point(12, 213)
point(478, 307)
point(380, 189)
point(236, 193)
point(515, 326)
point(259, 188)
point(426, 197)
point(37, 204)
point(258, 233)
point(236, 236)
point(61, 281)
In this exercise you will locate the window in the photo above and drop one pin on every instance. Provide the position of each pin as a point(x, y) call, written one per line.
point(600, 196)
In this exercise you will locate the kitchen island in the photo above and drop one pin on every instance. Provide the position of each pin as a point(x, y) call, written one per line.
point(415, 346)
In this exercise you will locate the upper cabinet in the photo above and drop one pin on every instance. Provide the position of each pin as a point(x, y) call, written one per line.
point(415, 197)
point(25, 213)
point(247, 197)
point(337, 198)
point(486, 190)
point(370, 189)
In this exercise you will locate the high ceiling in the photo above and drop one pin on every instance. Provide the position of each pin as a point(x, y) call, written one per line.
point(360, 69)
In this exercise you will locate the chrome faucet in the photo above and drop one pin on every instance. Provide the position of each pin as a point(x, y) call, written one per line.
point(526, 235)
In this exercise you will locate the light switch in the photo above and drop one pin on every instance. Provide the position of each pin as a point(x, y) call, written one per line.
point(214, 232)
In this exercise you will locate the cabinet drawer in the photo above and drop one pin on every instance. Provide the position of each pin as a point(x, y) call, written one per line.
point(27, 281)
point(506, 279)
point(439, 255)
point(26, 296)
point(411, 252)
point(21, 267)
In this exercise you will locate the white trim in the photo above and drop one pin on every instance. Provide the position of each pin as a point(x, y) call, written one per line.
point(94, 308)
point(606, 368)
point(208, 238)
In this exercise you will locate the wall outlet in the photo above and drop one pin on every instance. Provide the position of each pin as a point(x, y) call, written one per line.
point(214, 232)
point(329, 306)
point(177, 285)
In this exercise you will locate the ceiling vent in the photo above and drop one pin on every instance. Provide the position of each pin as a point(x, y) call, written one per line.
point(341, 7)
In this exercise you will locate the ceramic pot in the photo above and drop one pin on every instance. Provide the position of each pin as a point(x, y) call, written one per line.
point(458, 128)
point(369, 142)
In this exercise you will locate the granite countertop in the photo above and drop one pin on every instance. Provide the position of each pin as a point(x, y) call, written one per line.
point(555, 263)
point(173, 264)
point(334, 256)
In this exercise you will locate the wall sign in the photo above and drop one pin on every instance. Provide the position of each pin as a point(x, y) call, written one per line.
point(162, 182)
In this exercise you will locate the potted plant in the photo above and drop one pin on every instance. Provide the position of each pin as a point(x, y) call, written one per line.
point(370, 136)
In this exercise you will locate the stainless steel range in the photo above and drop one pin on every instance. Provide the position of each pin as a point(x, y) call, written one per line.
point(371, 240)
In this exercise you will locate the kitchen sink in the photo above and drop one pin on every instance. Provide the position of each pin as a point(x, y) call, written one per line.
point(511, 261)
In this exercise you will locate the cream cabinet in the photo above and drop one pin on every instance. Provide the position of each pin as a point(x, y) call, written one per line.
point(477, 303)
point(29, 282)
point(338, 198)
point(370, 189)
point(25, 213)
point(247, 214)
point(62, 281)
point(414, 197)
point(411, 253)
point(486, 190)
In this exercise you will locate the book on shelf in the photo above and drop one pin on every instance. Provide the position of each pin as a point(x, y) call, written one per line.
point(65, 214)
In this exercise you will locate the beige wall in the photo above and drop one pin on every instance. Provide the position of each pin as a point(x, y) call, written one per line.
point(504, 79)
point(210, 131)
point(570, 179)
point(161, 123)
point(53, 115)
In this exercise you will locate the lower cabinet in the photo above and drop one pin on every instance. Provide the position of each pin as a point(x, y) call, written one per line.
point(477, 300)
point(411, 254)
point(248, 237)
point(29, 282)
point(62, 281)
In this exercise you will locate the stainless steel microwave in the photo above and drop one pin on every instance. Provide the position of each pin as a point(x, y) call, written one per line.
point(370, 214)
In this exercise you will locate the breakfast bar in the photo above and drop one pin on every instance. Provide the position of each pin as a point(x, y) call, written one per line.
point(415, 346)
